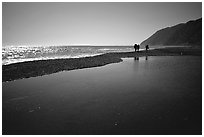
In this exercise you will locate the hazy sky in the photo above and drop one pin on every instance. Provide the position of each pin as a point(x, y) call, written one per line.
point(90, 23)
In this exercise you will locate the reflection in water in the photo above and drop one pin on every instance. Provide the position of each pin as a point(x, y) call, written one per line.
point(136, 58)
point(146, 57)
point(153, 96)
point(141, 65)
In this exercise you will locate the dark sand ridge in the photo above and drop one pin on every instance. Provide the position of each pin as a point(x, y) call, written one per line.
point(44, 67)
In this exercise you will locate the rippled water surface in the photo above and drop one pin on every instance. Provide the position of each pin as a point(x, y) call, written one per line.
point(14, 54)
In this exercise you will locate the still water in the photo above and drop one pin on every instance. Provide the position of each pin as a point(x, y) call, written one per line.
point(146, 95)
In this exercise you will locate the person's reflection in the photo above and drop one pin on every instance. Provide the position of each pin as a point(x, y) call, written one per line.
point(136, 58)
point(146, 58)
point(136, 65)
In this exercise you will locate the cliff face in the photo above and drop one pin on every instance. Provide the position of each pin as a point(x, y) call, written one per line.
point(189, 33)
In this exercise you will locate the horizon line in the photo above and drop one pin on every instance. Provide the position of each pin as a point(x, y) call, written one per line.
point(49, 45)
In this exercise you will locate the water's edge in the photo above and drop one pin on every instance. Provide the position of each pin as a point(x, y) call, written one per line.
point(43, 67)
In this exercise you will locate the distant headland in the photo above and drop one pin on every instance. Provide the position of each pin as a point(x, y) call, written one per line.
point(189, 33)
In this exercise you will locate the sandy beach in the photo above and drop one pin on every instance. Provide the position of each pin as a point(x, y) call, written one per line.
point(146, 95)
point(137, 93)
point(45, 67)
point(102, 68)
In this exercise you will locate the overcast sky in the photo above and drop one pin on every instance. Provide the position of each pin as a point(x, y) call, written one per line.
point(90, 23)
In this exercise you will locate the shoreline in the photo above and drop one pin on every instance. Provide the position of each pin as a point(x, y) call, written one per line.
point(44, 67)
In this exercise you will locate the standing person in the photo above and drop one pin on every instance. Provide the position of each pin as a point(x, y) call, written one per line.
point(147, 47)
point(135, 47)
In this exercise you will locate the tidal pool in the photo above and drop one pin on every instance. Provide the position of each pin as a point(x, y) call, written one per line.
point(146, 95)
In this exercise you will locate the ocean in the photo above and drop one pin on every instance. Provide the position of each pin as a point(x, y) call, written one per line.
point(15, 54)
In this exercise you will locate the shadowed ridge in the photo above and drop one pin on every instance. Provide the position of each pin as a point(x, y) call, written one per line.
point(189, 33)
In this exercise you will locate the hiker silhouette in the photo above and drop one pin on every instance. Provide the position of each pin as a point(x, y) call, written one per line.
point(136, 47)
point(147, 47)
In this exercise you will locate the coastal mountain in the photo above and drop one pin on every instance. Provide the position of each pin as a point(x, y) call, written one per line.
point(189, 33)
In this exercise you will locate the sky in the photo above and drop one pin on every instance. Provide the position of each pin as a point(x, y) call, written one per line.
point(88, 23)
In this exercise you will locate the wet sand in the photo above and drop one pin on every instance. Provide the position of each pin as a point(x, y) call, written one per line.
point(44, 67)
point(145, 95)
